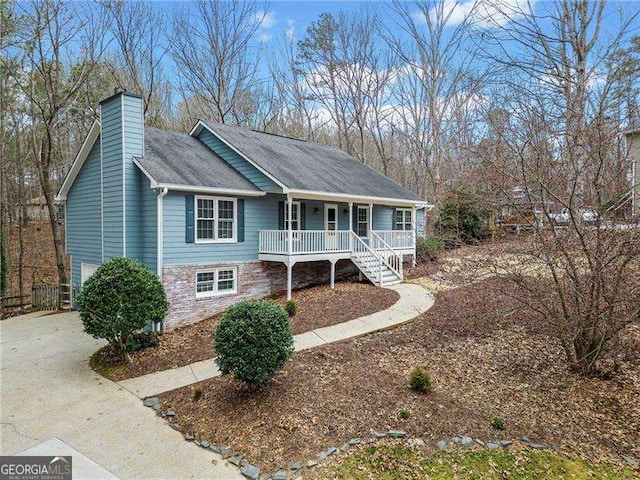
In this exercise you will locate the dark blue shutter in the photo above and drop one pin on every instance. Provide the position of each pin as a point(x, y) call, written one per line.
point(280, 215)
point(190, 218)
point(303, 215)
point(354, 227)
point(240, 220)
point(394, 225)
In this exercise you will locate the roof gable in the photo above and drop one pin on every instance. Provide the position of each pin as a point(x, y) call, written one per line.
point(87, 145)
point(178, 160)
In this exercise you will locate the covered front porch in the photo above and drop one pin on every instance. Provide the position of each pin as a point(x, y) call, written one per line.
point(375, 236)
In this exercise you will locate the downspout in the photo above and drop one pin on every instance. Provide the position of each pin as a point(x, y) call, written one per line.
point(159, 254)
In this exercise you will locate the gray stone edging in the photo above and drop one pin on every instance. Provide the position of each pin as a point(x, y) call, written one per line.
point(253, 472)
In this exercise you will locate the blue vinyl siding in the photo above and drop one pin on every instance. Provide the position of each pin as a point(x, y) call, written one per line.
point(316, 222)
point(382, 217)
point(134, 185)
point(148, 218)
point(112, 177)
point(236, 161)
point(84, 229)
point(260, 213)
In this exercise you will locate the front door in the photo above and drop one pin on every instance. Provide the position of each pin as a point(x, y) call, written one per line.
point(331, 226)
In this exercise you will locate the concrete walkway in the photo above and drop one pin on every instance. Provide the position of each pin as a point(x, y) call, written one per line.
point(414, 300)
point(51, 401)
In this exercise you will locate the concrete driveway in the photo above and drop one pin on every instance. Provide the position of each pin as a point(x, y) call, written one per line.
point(50, 400)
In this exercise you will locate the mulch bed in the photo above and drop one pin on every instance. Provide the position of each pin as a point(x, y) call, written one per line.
point(486, 357)
point(317, 307)
point(323, 306)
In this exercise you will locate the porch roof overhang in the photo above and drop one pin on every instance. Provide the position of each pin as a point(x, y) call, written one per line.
point(346, 198)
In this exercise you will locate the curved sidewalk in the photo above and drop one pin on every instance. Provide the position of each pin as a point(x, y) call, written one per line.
point(414, 300)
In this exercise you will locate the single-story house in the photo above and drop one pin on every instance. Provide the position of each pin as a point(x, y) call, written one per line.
point(226, 213)
point(35, 210)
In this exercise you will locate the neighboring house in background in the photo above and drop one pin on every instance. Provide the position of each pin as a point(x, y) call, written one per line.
point(633, 151)
point(36, 210)
point(225, 213)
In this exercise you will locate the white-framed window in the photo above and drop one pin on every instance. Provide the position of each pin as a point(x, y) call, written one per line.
point(86, 270)
point(403, 219)
point(295, 216)
point(362, 225)
point(216, 281)
point(216, 219)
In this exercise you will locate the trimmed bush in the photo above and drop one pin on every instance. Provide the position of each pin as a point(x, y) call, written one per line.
point(419, 380)
point(253, 341)
point(121, 297)
point(291, 307)
point(497, 423)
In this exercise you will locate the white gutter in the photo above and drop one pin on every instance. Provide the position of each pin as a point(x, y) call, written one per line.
point(221, 191)
point(346, 198)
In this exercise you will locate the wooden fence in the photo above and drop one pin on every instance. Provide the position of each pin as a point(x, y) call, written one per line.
point(47, 297)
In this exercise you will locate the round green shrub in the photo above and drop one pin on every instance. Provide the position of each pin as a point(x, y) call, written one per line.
point(419, 380)
point(253, 341)
point(291, 307)
point(121, 297)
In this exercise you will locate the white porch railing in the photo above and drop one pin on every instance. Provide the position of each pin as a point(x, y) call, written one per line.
point(387, 253)
point(396, 238)
point(304, 242)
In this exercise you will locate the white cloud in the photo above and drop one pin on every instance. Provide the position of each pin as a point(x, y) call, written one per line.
point(265, 37)
point(264, 19)
point(290, 32)
point(481, 13)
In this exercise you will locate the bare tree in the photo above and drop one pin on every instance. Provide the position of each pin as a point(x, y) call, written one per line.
point(140, 34)
point(437, 81)
point(216, 63)
point(57, 51)
point(563, 150)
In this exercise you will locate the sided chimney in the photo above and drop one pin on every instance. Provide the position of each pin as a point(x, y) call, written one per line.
point(121, 139)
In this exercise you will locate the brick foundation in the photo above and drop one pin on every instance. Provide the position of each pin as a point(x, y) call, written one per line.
point(255, 280)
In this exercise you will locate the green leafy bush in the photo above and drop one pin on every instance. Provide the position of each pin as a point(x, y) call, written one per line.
point(461, 217)
point(428, 249)
point(291, 308)
point(404, 414)
point(497, 423)
point(253, 341)
point(121, 297)
point(419, 380)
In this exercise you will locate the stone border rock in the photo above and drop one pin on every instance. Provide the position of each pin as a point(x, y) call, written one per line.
point(252, 472)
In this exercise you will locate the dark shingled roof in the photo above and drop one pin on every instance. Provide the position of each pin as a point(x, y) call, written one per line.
point(301, 165)
point(179, 159)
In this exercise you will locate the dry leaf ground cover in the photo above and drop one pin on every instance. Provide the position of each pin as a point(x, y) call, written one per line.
point(317, 307)
point(487, 358)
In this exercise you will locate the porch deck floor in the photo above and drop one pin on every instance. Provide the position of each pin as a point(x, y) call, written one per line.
point(414, 300)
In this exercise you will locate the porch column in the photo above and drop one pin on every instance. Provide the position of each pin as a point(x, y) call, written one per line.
point(289, 269)
point(370, 223)
point(414, 225)
point(289, 230)
point(350, 226)
point(333, 273)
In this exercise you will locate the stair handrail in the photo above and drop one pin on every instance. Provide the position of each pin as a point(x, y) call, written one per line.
point(380, 258)
point(396, 263)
